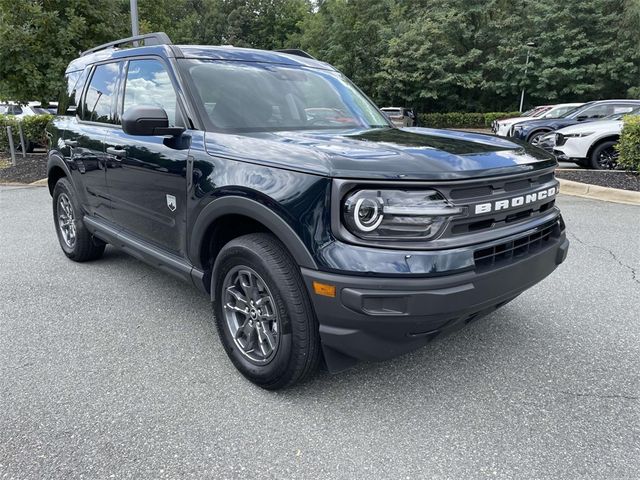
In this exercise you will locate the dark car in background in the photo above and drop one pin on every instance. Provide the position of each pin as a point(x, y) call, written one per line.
point(533, 130)
point(400, 117)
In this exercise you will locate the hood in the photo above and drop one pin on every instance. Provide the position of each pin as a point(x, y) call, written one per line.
point(386, 153)
point(511, 121)
point(553, 123)
point(601, 126)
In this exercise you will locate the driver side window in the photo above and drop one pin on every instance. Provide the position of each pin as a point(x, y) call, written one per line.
point(148, 83)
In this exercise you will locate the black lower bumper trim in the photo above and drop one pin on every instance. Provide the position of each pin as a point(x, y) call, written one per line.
point(374, 318)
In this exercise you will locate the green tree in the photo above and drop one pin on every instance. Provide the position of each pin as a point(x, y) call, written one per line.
point(40, 38)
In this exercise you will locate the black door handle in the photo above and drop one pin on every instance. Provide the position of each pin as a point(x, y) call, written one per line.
point(71, 143)
point(117, 152)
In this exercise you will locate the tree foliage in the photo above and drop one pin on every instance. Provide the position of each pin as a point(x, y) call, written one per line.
point(432, 55)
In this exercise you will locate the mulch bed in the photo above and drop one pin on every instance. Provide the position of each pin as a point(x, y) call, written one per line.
point(27, 170)
point(604, 178)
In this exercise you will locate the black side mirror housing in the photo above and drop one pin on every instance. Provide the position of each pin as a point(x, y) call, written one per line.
point(147, 120)
point(581, 118)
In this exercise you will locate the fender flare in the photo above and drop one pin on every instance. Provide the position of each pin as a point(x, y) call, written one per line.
point(55, 160)
point(235, 205)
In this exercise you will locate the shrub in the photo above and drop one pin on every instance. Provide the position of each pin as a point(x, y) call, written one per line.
point(629, 145)
point(462, 119)
point(33, 129)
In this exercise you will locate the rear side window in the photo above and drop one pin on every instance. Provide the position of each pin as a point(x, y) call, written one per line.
point(69, 98)
point(99, 101)
point(148, 83)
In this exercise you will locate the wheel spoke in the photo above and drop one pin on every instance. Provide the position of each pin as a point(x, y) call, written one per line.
point(234, 308)
point(255, 332)
point(268, 336)
point(233, 291)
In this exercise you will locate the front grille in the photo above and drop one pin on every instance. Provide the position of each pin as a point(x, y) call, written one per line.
point(512, 250)
point(489, 191)
point(560, 139)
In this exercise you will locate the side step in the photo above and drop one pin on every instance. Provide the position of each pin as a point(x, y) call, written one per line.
point(146, 252)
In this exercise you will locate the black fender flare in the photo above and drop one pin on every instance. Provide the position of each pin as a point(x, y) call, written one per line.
point(54, 159)
point(236, 205)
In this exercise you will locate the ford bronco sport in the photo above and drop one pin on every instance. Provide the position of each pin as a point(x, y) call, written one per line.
point(321, 233)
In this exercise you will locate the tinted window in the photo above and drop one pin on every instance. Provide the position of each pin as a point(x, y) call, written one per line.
point(262, 96)
point(148, 83)
point(100, 96)
point(70, 94)
point(604, 110)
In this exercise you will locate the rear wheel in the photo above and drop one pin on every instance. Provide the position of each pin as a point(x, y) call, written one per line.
point(604, 156)
point(76, 241)
point(263, 313)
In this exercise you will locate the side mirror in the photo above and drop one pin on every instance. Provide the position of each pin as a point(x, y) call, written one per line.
point(148, 120)
point(581, 118)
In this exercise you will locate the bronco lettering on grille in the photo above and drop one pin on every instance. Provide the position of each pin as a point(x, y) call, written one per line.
point(515, 201)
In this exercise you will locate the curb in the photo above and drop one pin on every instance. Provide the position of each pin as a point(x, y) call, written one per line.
point(38, 183)
point(596, 192)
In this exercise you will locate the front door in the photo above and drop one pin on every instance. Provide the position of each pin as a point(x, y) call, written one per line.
point(146, 174)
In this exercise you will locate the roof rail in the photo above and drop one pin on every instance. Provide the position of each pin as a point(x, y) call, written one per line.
point(296, 51)
point(157, 38)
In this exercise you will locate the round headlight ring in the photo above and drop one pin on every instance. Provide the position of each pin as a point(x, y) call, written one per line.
point(367, 214)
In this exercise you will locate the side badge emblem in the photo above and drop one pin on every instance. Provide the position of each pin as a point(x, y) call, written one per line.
point(171, 202)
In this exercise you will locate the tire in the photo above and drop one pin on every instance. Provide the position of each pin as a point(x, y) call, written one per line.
point(536, 135)
point(77, 243)
point(603, 157)
point(293, 352)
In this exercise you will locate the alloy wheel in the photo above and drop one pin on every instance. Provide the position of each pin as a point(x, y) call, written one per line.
point(250, 314)
point(66, 220)
point(608, 158)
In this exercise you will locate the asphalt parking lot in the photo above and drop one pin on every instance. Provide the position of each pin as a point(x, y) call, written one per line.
point(112, 369)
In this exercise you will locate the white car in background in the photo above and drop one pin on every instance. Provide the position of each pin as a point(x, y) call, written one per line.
point(19, 111)
point(591, 144)
point(502, 127)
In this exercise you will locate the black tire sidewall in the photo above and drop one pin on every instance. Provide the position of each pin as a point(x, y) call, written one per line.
point(63, 186)
point(86, 246)
point(272, 372)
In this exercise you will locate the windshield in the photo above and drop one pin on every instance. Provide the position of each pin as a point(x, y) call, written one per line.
point(560, 112)
point(570, 113)
point(261, 96)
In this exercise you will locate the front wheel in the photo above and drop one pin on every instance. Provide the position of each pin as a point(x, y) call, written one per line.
point(263, 313)
point(535, 138)
point(76, 241)
point(604, 156)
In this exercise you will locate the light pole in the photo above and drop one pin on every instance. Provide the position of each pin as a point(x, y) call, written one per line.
point(530, 45)
point(134, 18)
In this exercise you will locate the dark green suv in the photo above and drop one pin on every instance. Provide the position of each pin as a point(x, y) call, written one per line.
point(322, 233)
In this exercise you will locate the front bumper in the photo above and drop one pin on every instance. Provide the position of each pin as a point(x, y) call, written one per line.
point(376, 318)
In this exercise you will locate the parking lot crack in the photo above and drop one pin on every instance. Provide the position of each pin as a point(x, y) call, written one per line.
point(634, 272)
point(596, 395)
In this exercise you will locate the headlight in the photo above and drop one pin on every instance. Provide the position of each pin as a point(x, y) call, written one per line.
point(397, 214)
point(578, 135)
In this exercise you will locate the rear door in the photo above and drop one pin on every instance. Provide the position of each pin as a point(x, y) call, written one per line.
point(84, 137)
point(147, 174)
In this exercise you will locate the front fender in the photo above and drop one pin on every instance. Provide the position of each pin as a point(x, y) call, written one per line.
point(55, 160)
point(235, 205)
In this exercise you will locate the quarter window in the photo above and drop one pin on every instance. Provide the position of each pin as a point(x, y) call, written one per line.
point(148, 83)
point(70, 95)
point(100, 97)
